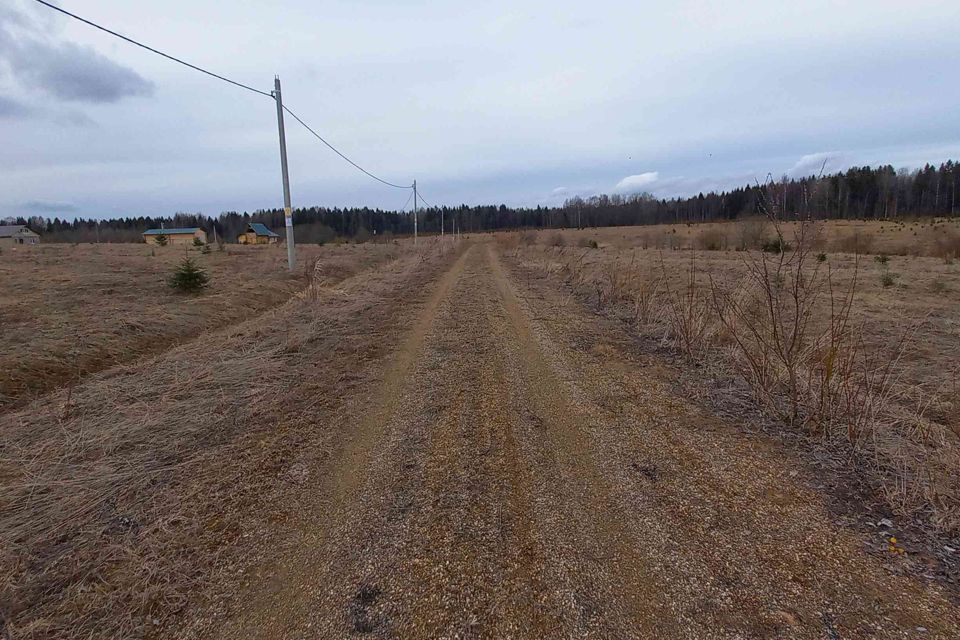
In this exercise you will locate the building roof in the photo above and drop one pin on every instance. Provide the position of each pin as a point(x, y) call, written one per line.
point(262, 230)
point(10, 230)
point(170, 232)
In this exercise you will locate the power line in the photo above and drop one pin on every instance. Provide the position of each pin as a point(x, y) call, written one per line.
point(219, 77)
point(404, 208)
point(160, 53)
point(420, 195)
point(336, 151)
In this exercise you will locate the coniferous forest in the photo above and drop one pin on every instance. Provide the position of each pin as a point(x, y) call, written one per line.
point(857, 193)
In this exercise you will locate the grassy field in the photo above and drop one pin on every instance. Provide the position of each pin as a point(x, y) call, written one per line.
point(470, 435)
point(892, 317)
point(71, 310)
point(930, 238)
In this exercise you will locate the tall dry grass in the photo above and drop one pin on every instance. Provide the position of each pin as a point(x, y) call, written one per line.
point(121, 496)
point(797, 335)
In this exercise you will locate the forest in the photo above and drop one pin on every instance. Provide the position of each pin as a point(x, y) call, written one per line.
point(857, 193)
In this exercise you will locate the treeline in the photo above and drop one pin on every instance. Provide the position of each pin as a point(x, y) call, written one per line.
point(860, 192)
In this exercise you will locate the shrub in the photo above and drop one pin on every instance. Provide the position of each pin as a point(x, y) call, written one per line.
point(947, 245)
point(188, 277)
point(362, 236)
point(197, 242)
point(588, 243)
point(777, 245)
point(556, 239)
point(855, 242)
point(821, 257)
point(528, 238)
point(712, 240)
point(888, 279)
point(160, 240)
point(751, 232)
point(882, 259)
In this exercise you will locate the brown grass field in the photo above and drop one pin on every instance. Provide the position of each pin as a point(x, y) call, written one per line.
point(558, 434)
point(904, 309)
point(71, 310)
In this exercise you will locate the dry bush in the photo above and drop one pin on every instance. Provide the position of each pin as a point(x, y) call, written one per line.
point(646, 296)
point(587, 243)
point(688, 311)
point(752, 232)
point(528, 238)
point(712, 239)
point(946, 244)
point(857, 242)
point(556, 239)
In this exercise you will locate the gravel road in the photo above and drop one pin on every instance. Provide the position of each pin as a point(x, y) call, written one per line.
point(519, 470)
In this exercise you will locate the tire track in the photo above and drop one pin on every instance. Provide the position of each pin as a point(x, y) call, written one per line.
point(739, 547)
point(279, 598)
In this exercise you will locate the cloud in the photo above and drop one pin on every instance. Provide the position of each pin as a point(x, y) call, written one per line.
point(811, 164)
point(637, 183)
point(44, 206)
point(10, 108)
point(66, 70)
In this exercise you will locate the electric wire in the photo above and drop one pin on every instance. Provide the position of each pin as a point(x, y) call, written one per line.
point(219, 77)
point(404, 208)
point(336, 151)
point(160, 53)
point(420, 196)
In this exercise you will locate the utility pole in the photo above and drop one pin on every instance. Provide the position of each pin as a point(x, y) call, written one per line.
point(414, 213)
point(441, 223)
point(287, 210)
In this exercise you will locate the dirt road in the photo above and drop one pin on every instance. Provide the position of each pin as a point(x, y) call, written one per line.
point(520, 471)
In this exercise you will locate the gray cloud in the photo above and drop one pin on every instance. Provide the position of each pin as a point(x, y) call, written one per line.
point(42, 206)
point(10, 108)
point(71, 72)
point(65, 70)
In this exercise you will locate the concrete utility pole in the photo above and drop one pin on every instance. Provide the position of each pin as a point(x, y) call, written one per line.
point(287, 210)
point(414, 213)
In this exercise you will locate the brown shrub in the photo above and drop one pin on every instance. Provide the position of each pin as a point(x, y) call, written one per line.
point(528, 238)
point(946, 244)
point(711, 239)
point(752, 232)
point(855, 242)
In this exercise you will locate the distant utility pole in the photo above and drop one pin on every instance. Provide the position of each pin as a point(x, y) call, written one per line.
point(414, 213)
point(287, 210)
point(441, 223)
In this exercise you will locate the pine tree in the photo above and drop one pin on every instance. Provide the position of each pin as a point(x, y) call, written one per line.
point(189, 278)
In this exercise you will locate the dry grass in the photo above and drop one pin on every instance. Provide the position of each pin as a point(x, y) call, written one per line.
point(69, 311)
point(121, 495)
point(823, 344)
point(938, 238)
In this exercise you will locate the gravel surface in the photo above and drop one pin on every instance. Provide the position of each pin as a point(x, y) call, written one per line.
point(519, 470)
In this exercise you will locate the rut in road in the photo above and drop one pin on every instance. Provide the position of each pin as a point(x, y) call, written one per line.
point(520, 474)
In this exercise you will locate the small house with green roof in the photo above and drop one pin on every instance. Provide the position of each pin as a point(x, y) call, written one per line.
point(258, 233)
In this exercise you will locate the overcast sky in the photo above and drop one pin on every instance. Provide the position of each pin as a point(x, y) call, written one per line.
point(518, 102)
